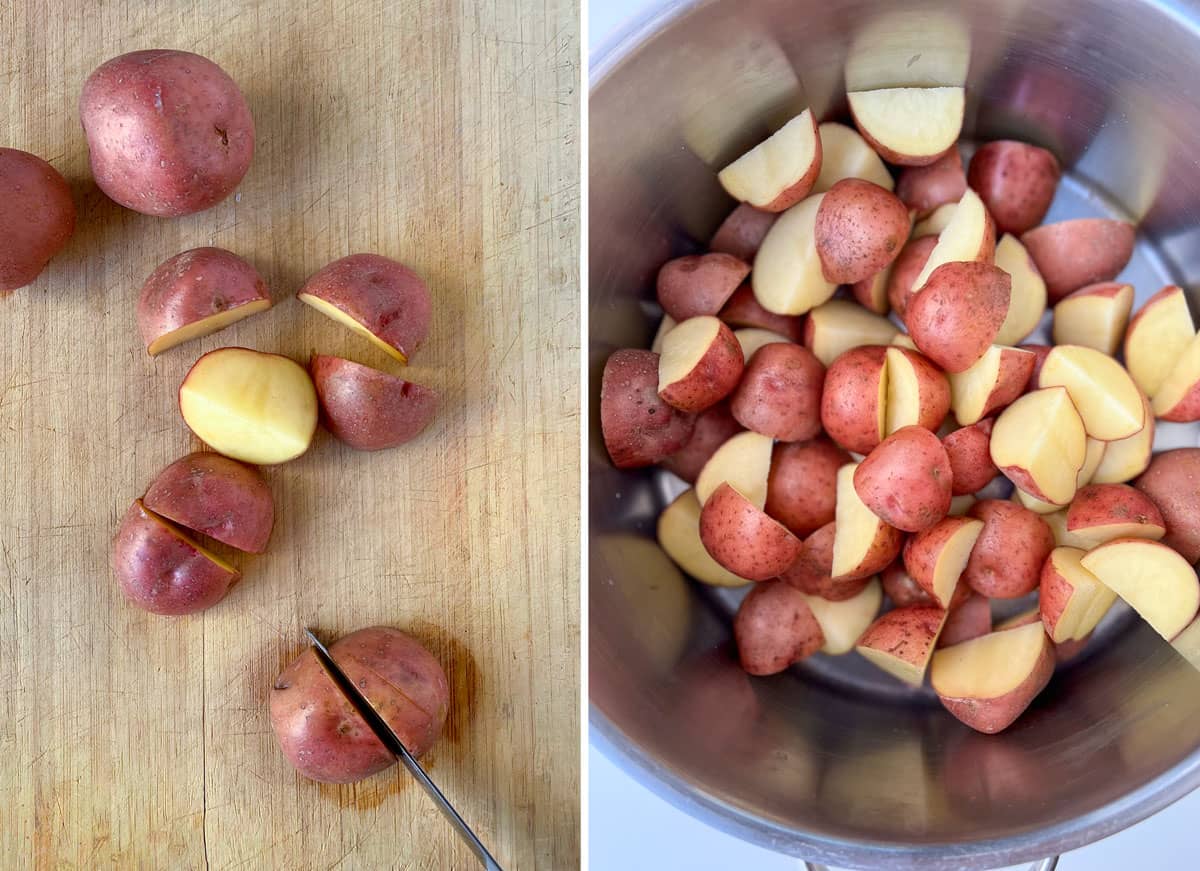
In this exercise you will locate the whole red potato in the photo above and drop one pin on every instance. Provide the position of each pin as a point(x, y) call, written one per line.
point(37, 217)
point(168, 131)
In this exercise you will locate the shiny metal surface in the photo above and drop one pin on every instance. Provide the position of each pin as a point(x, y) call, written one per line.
point(832, 762)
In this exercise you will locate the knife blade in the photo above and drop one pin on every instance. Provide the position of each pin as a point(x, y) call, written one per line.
point(393, 743)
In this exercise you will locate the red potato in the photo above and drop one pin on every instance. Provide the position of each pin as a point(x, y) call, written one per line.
point(1157, 337)
point(368, 409)
point(168, 132)
point(699, 284)
point(775, 628)
point(911, 261)
point(1039, 444)
point(1006, 562)
point(905, 480)
point(900, 587)
point(679, 536)
point(1125, 459)
point(871, 293)
point(197, 293)
point(750, 339)
point(400, 679)
point(639, 429)
point(969, 235)
point(1028, 302)
point(701, 363)
point(802, 487)
point(842, 623)
point(742, 232)
point(255, 407)
point(380, 299)
point(1155, 581)
point(936, 557)
point(780, 171)
point(743, 310)
point(918, 392)
point(991, 383)
point(787, 276)
point(1108, 402)
point(854, 399)
point(845, 154)
point(163, 571)
point(714, 426)
point(971, 619)
point(862, 543)
point(860, 229)
point(971, 466)
point(744, 462)
point(779, 394)
point(901, 642)
point(988, 682)
point(1102, 512)
point(1178, 397)
point(1094, 316)
point(833, 328)
point(923, 188)
point(885, 119)
point(937, 221)
point(319, 731)
point(215, 496)
point(1173, 482)
point(811, 572)
point(743, 538)
point(1074, 254)
point(1071, 600)
point(37, 217)
point(955, 317)
point(1040, 353)
point(1016, 181)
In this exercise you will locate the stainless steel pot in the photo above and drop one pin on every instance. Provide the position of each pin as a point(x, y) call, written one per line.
point(832, 762)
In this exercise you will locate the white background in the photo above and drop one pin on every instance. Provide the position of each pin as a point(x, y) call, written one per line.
point(632, 829)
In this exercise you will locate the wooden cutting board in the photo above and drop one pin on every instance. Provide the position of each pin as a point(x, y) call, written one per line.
point(443, 134)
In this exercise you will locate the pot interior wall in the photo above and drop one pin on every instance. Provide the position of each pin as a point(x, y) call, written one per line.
point(812, 761)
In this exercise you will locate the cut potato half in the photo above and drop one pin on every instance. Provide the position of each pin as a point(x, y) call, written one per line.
point(1155, 580)
point(909, 126)
point(744, 462)
point(1040, 444)
point(1157, 337)
point(1106, 398)
point(969, 236)
point(843, 623)
point(787, 277)
point(679, 537)
point(779, 172)
point(839, 325)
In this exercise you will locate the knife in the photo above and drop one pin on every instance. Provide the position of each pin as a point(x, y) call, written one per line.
point(393, 743)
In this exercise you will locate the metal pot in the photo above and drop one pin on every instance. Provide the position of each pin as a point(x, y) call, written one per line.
point(830, 761)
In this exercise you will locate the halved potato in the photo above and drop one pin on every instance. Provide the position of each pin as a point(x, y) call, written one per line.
point(1094, 316)
point(969, 236)
point(1028, 298)
point(1156, 338)
point(1040, 444)
point(743, 461)
point(902, 641)
point(1071, 599)
point(845, 154)
point(843, 623)
point(1108, 401)
point(779, 172)
point(787, 276)
point(909, 126)
point(679, 536)
point(863, 544)
point(835, 327)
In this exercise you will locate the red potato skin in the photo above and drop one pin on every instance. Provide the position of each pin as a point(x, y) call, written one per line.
point(934, 390)
point(923, 188)
point(860, 229)
point(318, 729)
point(1101, 504)
point(905, 480)
point(1016, 181)
point(921, 553)
point(699, 284)
point(713, 378)
point(1172, 481)
point(401, 680)
point(971, 619)
point(780, 393)
point(383, 295)
point(1017, 373)
point(714, 426)
point(160, 572)
point(743, 539)
point(905, 270)
point(639, 428)
point(368, 409)
point(215, 496)
point(892, 156)
point(995, 715)
point(1187, 409)
point(37, 217)
point(802, 485)
point(902, 589)
point(168, 132)
point(811, 572)
point(1054, 592)
point(1074, 254)
point(970, 457)
point(194, 285)
point(774, 629)
point(850, 398)
point(907, 633)
point(885, 548)
point(864, 292)
point(957, 314)
point(1006, 562)
point(1040, 353)
point(741, 233)
point(743, 310)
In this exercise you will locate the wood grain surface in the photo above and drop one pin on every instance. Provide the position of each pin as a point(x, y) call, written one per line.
point(443, 134)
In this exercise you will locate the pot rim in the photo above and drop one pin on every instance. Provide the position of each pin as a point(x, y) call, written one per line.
point(669, 785)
